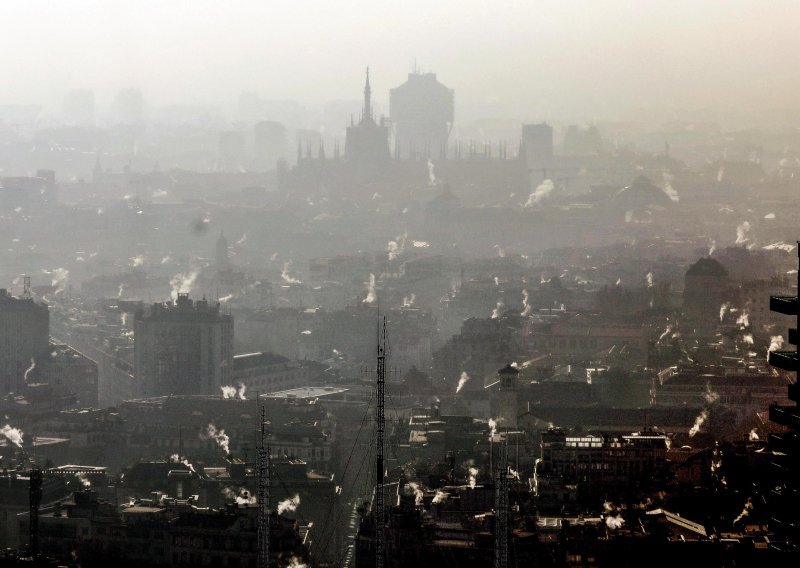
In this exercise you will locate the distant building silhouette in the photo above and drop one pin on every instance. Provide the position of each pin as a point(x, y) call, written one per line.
point(368, 140)
point(185, 347)
point(422, 116)
point(537, 147)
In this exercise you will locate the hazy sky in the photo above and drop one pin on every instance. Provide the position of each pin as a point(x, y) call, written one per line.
point(535, 58)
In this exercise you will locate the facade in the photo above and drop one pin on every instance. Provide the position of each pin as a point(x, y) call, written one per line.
point(422, 116)
point(185, 347)
point(24, 335)
point(594, 461)
point(68, 372)
point(268, 372)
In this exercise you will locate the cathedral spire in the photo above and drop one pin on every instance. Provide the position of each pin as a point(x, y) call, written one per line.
point(367, 114)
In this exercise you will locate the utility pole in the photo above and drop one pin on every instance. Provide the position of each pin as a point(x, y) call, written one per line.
point(263, 491)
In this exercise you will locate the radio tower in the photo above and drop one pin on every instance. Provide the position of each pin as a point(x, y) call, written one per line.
point(263, 492)
point(501, 508)
point(380, 515)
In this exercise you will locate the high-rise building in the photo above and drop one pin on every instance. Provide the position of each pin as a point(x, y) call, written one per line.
point(367, 141)
point(422, 114)
point(537, 146)
point(24, 335)
point(185, 347)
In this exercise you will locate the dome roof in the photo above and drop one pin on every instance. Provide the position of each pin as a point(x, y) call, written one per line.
point(642, 193)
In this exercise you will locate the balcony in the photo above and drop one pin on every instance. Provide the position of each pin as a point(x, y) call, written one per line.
point(786, 360)
point(784, 305)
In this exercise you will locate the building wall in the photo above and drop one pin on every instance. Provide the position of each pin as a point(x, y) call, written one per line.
point(24, 334)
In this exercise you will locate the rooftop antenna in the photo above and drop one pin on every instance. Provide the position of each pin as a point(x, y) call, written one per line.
point(263, 490)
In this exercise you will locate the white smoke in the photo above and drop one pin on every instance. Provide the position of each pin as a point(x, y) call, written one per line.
point(462, 381)
point(615, 522)
point(83, 480)
point(408, 301)
point(741, 233)
point(769, 216)
point(722, 310)
point(29, 370)
point(526, 307)
point(58, 278)
point(775, 343)
point(710, 396)
point(242, 240)
point(743, 320)
point(619, 281)
point(492, 428)
point(396, 247)
point(649, 279)
point(698, 423)
point(225, 299)
point(418, 493)
point(182, 283)
point(670, 191)
point(166, 259)
point(496, 311)
point(431, 174)
point(219, 436)
point(295, 562)
point(666, 333)
point(748, 338)
point(137, 260)
point(753, 436)
point(371, 295)
point(713, 248)
point(440, 497)
point(473, 477)
point(13, 435)
point(541, 193)
point(289, 505)
point(748, 506)
point(286, 277)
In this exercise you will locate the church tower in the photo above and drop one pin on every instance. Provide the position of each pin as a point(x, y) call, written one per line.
point(506, 399)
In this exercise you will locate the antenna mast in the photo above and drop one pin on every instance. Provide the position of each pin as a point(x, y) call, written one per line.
point(501, 508)
point(380, 515)
point(263, 491)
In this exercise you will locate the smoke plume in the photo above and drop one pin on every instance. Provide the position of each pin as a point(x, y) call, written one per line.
point(539, 194)
point(286, 277)
point(219, 436)
point(13, 435)
point(462, 381)
point(741, 233)
point(289, 505)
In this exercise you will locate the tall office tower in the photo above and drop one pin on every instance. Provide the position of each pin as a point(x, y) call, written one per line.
point(537, 146)
point(24, 335)
point(185, 347)
point(367, 141)
point(422, 114)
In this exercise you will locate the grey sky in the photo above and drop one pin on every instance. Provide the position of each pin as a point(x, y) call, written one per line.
point(534, 58)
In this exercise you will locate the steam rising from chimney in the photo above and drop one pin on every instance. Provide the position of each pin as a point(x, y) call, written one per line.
point(29, 370)
point(526, 307)
point(462, 381)
point(182, 283)
point(286, 277)
point(371, 295)
point(539, 194)
point(473, 477)
point(289, 505)
point(13, 435)
point(741, 233)
point(698, 423)
point(775, 343)
point(219, 436)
